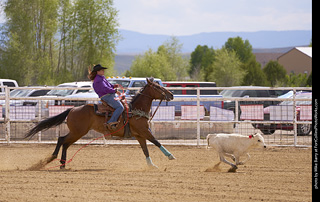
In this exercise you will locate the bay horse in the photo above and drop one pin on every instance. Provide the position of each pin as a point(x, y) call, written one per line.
point(81, 119)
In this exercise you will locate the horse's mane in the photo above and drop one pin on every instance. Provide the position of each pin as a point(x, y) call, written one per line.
point(135, 97)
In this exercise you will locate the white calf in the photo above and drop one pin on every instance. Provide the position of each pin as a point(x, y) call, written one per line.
point(234, 146)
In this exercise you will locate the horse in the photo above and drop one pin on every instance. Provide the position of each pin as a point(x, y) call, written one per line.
point(81, 119)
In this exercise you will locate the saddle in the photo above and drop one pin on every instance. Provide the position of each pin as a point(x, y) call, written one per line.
point(105, 110)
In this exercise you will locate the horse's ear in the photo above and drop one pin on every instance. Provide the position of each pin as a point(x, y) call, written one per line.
point(150, 80)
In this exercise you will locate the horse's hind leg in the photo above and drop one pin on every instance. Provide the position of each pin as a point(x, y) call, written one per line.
point(67, 142)
point(59, 144)
point(63, 160)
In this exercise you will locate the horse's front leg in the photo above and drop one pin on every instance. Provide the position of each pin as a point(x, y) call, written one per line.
point(152, 139)
point(143, 144)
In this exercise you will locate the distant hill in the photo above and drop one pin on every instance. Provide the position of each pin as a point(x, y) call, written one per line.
point(273, 42)
point(135, 42)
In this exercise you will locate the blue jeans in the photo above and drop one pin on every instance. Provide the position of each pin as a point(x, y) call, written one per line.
point(116, 104)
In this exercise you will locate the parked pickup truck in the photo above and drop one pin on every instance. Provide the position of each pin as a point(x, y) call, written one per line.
point(302, 129)
point(257, 91)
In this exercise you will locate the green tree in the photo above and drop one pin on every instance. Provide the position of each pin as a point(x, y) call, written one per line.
point(97, 35)
point(167, 63)
point(29, 45)
point(171, 50)
point(309, 80)
point(201, 62)
point(151, 64)
point(32, 53)
point(274, 72)
point(226, 69)
point(296, 80)
point(242, 48)
point(254, 75)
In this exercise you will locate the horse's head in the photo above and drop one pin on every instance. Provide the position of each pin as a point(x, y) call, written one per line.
point(159, 92)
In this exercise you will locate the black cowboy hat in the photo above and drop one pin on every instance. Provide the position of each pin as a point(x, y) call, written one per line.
point(98, 67)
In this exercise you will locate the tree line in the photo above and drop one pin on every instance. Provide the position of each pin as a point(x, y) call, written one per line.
point(232, 65)
point(47, 42)
point(54, 41)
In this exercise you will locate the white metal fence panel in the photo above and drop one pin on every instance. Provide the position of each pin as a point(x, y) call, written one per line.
point(185, 120)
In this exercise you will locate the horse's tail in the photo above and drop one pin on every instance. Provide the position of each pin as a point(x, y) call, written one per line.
point(48, 123)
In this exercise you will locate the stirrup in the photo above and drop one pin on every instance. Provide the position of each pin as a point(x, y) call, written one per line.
point(111, 126)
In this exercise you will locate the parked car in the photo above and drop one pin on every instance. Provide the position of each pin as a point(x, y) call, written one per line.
point(84, 96)
point(302, 129)
point(24, 93)
point(65, 92)
point(62, 93)
point(257, 92)
point(184, 84)
point(7, 82)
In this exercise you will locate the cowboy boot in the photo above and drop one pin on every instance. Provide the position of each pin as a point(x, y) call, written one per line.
point(106, 120)
point(112, 126)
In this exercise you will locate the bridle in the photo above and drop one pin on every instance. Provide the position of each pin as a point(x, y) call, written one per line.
point(164, 96)
point(155, 88)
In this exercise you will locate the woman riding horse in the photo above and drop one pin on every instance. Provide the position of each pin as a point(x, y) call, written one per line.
point(106, 92)
point(83, 118)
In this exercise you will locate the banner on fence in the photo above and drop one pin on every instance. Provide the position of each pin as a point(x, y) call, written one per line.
point(22, 112)
point(189, 112)
point(306, 113)
point(251, 112)
point(164, 113)
point(218, 114)
point(281, 113)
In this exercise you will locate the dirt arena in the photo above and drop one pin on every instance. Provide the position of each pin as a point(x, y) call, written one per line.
point(119, 173)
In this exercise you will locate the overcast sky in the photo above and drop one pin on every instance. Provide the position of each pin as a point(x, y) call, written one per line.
point(186, 17)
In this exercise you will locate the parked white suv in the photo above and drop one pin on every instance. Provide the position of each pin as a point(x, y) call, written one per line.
point(7, 82)
point(63, 93)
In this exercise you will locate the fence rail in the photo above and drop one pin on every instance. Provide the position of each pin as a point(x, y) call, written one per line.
point(282, 125)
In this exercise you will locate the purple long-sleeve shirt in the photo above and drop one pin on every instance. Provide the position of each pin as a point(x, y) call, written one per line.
point(101, 86)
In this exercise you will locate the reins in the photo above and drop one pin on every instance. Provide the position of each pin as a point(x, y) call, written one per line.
point(164, 96)
point(155, 111)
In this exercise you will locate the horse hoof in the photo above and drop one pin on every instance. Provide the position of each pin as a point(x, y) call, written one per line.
point(153, 167)
point(233, 169)
point(171, 157)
